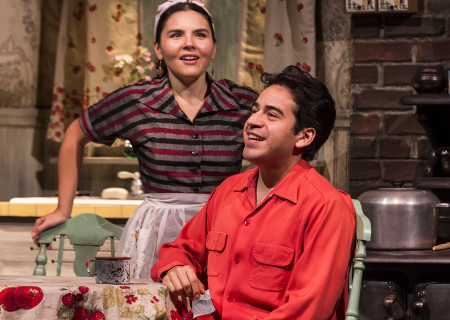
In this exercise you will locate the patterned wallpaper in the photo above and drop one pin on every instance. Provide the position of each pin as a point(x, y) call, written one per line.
point(19, 52)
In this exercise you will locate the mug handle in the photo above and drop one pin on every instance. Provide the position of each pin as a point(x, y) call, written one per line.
point(87, 268)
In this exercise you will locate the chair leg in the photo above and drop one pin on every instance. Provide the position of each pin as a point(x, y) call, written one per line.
point(358, 268)
point(41, 261)
point(60, 255)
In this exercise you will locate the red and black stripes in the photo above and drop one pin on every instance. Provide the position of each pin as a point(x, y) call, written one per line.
point(175, 155)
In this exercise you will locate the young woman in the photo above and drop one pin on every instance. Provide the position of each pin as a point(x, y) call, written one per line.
point(185, 127)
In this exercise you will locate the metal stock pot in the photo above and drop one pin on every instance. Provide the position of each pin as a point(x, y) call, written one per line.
point(401, 218)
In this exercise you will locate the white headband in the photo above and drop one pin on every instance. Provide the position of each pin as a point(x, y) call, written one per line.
point(166, 5)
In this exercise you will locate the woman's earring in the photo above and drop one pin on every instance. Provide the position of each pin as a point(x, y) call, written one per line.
point(159, 69)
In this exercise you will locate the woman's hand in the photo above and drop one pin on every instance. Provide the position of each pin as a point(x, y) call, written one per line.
point(183, 281)
point(45, 222)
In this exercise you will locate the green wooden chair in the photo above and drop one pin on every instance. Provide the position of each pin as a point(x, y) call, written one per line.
point(362, 235)
point(87, 232)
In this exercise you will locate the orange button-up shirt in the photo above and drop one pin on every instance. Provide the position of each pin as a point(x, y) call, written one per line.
point(287, 258)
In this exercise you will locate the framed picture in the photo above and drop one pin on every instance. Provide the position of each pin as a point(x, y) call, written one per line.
point(381, 6)
point(393, 5)
point(360, 5)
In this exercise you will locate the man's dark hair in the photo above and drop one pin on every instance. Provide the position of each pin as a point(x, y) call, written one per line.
point(315, 106)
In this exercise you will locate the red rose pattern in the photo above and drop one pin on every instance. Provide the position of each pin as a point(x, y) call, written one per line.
point(304, 66)
point(258, 67)
point(120, 11)
point(279, 38)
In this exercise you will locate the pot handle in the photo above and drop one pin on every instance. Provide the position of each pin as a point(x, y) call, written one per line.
point(397, 183)
point(87, 267)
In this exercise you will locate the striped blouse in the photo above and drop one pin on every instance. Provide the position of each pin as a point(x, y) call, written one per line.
point(174, 154)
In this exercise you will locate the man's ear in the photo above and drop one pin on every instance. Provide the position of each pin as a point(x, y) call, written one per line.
point(305, 137)
point(157, 49)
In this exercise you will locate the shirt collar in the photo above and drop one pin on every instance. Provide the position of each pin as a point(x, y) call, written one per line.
point(285, 189)
point(221, 97)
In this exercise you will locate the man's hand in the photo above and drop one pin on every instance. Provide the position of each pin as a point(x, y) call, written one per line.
point(45, 222)
point(182, 280)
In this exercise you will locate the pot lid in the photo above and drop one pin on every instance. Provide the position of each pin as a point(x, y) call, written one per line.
point(399, 195)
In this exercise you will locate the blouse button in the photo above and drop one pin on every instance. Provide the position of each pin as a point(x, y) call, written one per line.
point(230, 299)
point(195, 136)
point(194, 171)
point(246, 222)
point(196, 190)
point(194, 153)
point(237, 261)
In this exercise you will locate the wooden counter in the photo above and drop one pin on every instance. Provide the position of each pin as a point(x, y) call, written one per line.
point(38, 207)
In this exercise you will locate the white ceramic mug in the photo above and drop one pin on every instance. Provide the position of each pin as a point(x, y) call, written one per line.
point(111, 270)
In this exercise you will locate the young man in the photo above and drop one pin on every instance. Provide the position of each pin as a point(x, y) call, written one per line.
point(275, 242)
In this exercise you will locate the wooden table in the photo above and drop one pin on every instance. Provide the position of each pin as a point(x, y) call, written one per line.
point(57, 298)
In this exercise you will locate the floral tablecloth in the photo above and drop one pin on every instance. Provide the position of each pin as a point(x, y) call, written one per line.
point(81, 298)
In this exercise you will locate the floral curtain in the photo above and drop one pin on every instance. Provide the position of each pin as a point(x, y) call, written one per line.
point(290, 35)
point(274, 34)
point(97, 39)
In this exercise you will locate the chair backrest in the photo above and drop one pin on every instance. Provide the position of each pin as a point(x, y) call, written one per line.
point(87, 232)
point(362, 235)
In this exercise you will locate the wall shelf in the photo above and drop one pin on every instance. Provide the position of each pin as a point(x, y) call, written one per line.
point(104, 160)
point(426, 99)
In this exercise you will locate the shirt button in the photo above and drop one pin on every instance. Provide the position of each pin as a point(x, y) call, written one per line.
point(194, 153)
point(237, 261)
point(230, 299)
point(194, 171)
point(196, 190)
point(195, 136)
point(246, 222)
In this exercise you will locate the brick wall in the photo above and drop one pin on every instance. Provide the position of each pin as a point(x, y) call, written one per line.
point(387, 143)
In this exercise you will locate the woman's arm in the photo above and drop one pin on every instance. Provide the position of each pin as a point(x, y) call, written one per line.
point(69, 163)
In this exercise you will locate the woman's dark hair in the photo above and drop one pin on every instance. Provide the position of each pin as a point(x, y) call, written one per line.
point(315, 106)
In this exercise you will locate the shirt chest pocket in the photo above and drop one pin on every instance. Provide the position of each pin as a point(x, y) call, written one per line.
point(215, 243)
point(271, 267)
